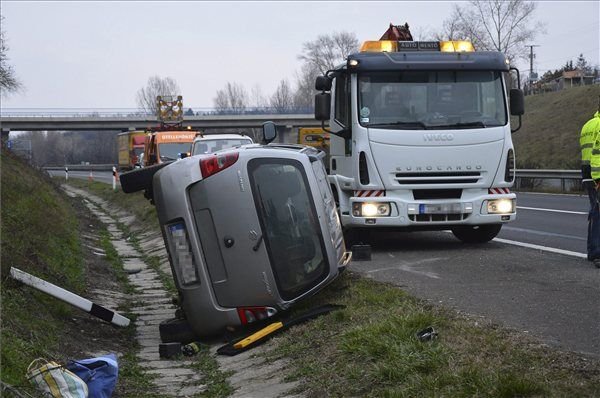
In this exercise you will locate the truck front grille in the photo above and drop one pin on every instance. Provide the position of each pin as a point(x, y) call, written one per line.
point(437, 217)
point(467, 177)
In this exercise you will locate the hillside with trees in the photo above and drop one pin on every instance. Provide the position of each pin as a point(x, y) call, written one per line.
point(549, 138)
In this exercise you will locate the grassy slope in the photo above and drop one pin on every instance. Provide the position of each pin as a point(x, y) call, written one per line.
point(39, 235)
point(552, 122)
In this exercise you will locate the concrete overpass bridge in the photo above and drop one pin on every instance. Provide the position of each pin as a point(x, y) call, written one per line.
point(120, 121)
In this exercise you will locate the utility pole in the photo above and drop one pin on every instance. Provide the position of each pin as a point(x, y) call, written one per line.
point(531, 57)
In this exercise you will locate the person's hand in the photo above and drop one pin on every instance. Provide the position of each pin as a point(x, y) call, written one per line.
point(597, 184)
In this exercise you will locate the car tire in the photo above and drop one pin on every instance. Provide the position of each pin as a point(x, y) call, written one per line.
point(139, 179)
point(176, 331)
point(477, 233)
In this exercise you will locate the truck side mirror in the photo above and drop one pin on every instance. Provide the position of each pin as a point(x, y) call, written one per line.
point(517, 102)
point(269, 132)
point(323, 83)
point(322, 106)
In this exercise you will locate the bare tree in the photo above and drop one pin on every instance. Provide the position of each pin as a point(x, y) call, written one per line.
point(304, 94)
point(8, 79)
point(494, 25)
point(282, 99)
point(326, 51)
point(232, 98)
point(257, 98)
point(163, 86)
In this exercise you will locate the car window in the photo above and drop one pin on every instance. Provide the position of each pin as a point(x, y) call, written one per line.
point(290, 224)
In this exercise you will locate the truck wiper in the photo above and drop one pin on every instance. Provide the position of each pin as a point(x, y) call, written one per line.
point(409, 125)
point(460, 125)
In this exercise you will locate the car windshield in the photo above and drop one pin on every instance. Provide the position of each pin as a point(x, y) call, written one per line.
point(210, 146)
point(171, 150)
point(418, 100)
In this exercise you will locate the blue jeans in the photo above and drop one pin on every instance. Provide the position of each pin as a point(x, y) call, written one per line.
point(593, 238)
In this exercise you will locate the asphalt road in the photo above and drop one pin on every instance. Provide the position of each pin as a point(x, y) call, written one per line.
point(533, 278)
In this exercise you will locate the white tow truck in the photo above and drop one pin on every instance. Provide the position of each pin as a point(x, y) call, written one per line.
point(421, 136)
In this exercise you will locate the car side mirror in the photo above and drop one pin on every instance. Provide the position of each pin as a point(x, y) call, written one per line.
point(269, 132)
point(322, 106)
point(517, 102)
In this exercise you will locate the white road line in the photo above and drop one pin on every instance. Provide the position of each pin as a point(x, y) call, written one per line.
point(552, 210)
point(542, 248)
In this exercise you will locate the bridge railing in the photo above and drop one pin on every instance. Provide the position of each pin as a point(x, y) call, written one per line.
point(134, 112)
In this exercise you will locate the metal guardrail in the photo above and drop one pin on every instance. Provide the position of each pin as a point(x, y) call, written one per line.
point(82, 167)
point(561, 175)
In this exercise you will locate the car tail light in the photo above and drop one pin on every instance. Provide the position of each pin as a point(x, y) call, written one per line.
point(215, 163)
point(252, 314)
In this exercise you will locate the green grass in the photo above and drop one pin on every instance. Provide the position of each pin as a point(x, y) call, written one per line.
point(549, 138)
point(39, 236)
point(370, 349)
point(214, 379)
point(135, 203)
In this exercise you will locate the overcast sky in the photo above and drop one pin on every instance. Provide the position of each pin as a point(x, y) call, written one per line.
point(98, 54)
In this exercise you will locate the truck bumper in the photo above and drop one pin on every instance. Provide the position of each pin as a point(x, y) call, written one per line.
point(434, 214)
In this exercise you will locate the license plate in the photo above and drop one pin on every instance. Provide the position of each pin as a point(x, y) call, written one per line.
point(440, 208)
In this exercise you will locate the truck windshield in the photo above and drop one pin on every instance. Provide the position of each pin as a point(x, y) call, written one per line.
point(431, 100)
point(171, 150)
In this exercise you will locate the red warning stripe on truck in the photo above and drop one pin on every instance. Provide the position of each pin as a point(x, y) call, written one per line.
point(369, 194)
point(499, 191)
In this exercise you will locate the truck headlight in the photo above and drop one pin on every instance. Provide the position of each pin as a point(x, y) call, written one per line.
point(181, 253)
point(501, 206)
point(371, 209)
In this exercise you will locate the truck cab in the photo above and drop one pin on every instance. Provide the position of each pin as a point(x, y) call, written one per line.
point(421, 137)
point(164, 146)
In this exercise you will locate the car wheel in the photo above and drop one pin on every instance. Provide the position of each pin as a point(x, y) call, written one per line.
point(176, 330)
point(139, 179)
point(477, 233)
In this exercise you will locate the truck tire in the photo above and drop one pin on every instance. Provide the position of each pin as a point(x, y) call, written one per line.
point(139, 179)
point(477, 233)
point(176, 331)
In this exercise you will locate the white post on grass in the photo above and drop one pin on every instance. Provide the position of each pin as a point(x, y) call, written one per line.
point(69, 297)
point(114, 178)
point(66, 173)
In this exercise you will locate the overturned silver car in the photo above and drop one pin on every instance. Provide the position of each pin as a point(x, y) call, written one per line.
point(249, 231)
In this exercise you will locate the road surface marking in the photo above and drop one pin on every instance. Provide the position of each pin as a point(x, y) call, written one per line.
point(553, 210)
point(542, 248)
point(533, 231)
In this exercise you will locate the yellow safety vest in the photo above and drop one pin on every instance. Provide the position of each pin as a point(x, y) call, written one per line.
point(587, 142)
point(595, 154)
point(587, 138)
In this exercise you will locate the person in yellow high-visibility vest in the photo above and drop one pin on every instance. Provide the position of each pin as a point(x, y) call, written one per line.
point(590, 172)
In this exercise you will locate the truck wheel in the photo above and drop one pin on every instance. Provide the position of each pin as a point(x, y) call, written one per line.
point(476, 233)
point(176, 331)
point(139, 179)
